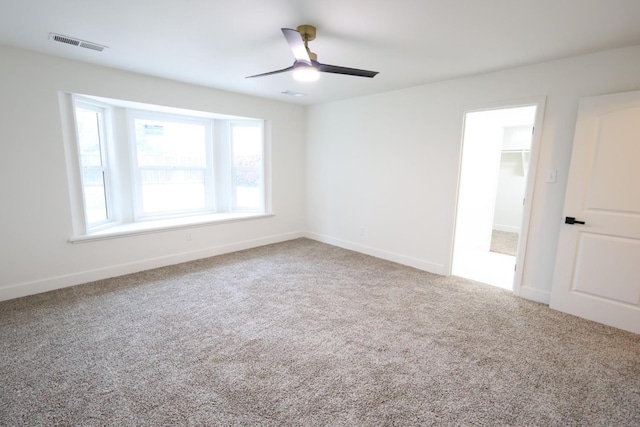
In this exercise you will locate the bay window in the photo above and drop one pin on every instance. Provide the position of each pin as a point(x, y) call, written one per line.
point(140, 166)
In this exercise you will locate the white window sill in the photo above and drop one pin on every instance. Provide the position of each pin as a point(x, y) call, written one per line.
point(164, 225)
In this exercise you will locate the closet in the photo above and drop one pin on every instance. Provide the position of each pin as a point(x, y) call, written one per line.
point(514, 163)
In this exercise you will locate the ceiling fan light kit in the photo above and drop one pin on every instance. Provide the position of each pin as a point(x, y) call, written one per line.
point(306, 66)
point(304, 73)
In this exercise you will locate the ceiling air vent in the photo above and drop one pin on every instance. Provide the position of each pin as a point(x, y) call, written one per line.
point(293, 93)
point(76, 42)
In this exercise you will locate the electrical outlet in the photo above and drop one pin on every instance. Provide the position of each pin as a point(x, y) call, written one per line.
point(362, 230)
point(188, 236)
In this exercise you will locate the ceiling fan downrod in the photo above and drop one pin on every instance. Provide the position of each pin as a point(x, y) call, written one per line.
point(308, 33)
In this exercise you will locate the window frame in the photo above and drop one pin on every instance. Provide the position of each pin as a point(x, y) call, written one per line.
point(105, 155)
point(135, 170)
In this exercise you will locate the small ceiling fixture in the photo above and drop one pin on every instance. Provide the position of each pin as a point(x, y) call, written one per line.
point(306, 66)
point(77, 42)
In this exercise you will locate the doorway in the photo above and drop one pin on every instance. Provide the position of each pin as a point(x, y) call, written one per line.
point(494, 182)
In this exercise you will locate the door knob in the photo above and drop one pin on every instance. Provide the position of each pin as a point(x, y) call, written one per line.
point(572, 220)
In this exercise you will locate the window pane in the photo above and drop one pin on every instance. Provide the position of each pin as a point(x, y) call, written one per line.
point(94, 196)
point(90, 146)
point(165, 190)
point(172, 159)
point(165, 143)
point(247, 166)
point(89, 137)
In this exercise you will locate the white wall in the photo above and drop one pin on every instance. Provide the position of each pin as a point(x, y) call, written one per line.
point(389, 163)
point(35, 215)
point(381, 171)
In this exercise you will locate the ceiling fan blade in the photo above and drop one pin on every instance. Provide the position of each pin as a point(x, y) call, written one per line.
point(344, 70)
point(294, 38)
point(284, 70)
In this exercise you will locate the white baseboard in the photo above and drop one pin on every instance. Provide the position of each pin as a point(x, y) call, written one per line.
point(379, 253)
point(57, 282)
point(509, 228)
point(78, 278)
point(535, 294)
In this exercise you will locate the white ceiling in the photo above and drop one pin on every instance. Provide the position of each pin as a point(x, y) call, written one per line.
point(217, 43)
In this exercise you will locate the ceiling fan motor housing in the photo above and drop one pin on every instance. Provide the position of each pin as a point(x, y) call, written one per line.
point(308, 32)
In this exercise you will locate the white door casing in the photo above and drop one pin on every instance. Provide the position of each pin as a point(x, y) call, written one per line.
point(597, 272)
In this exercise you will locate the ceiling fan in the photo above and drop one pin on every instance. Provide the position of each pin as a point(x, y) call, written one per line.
point(306, 66)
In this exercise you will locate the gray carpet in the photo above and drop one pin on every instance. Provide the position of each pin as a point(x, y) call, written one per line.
point(504, 242)
point(304, 334)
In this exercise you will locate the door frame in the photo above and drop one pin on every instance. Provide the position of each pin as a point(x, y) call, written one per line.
point(540, 104)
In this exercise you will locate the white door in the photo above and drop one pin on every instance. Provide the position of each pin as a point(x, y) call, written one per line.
point(597, 274)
